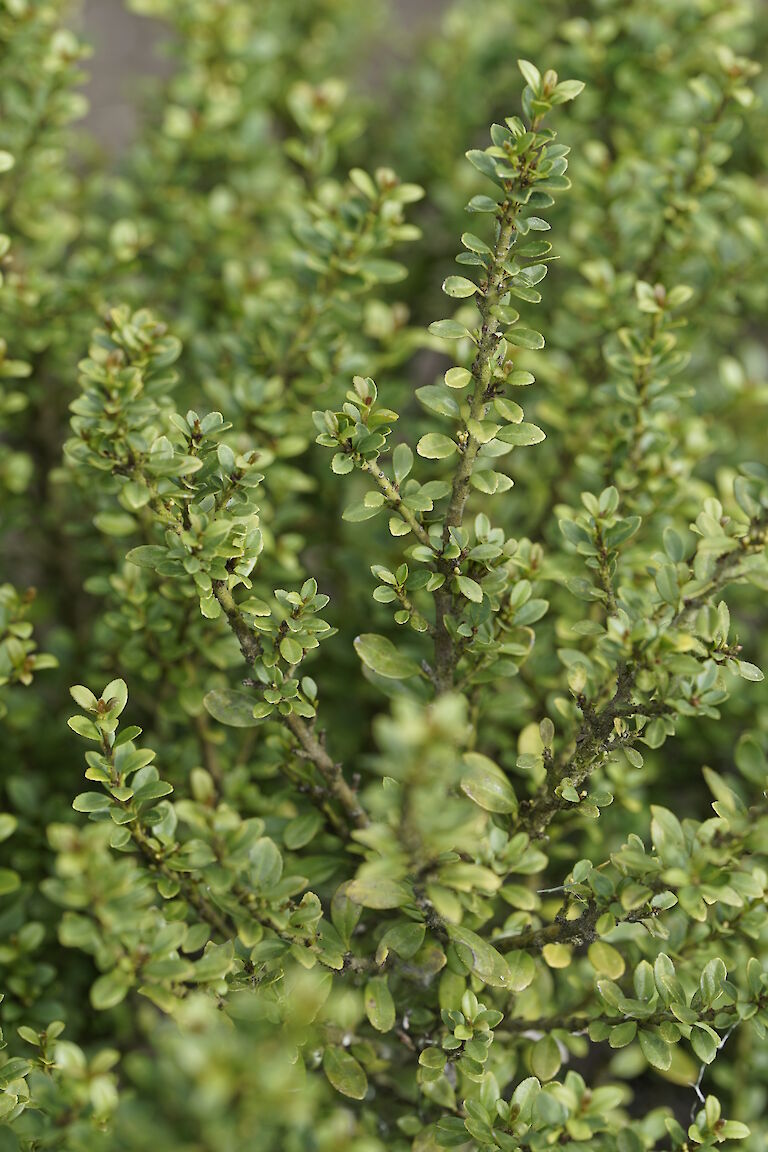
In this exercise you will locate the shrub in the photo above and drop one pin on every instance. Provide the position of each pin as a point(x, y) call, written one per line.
point(455, 833)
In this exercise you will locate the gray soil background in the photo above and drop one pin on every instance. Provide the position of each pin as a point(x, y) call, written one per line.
point(125, 51)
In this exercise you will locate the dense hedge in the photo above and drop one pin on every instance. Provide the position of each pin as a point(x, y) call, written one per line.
point(412, 663)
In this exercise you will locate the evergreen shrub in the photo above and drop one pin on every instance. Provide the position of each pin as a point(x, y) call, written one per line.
point(383, 732)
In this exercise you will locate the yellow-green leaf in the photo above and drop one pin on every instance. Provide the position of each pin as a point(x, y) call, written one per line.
point(486, 784)
point(606, 960)
point(345, 1073)
point(379, 1005)
point(378, 892)
point(481, 957)
point(545, 1058)
point(381, 656)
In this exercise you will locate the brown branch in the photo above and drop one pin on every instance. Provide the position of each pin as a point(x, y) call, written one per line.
point(597, 735)
point(576, 1024)
point(482, 372)
point(393, 496)
point(331, 772)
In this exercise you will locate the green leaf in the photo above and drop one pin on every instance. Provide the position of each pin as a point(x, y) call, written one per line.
point(342, 464)
point(29, 1035)
point(666, 979)
point(704, 1043)
point(487, 785)
point(748, 671)
point(383, 271)
point(520, 378)
point(109, 990)
point(567, 90)
point(656, 1051)
point(482, 161)
point(381, 656)
point(8, 825)
point(734, 1130)
point(379, 1005)
point(302, 830)
point(553, 184)
point(115, 523)
point(355, 513)
point(266, 864)
point(606, 960)
point(557, 955)
point(751, 759)
point(521, 970)
point(344, 1072)
point(115, 695)
point(470, 588)
point(508, 410)
point(521, 435)
point(480, 957)
point(668, 838)
point(85, 728)
point(666, 582)
point(10, 881)
point(231, 707)
point(459, 287)
point(152, 790)
point(623, 1034)
point(475, 244)
point(525, 338)
point(458, 377)
point(674, 546)
point(435, 397)
point(545, 1058)
point(448, 329)
point(291, 650)
point(83, 697)
point(215, 962)
point(13, 1069)
point(482, 204)
point(435, 446)
point(147, 555)
point(712, 978)
point(531, 74)
point(405, 938)
point(451, 1133)
point(378, 892)
point(402, 462)
point(91, 802)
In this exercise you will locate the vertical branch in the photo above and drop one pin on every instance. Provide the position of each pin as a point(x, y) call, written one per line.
point(482, 376)
point(304, 733)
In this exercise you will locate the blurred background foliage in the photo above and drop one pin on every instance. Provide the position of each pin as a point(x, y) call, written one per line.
point(266, 204)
